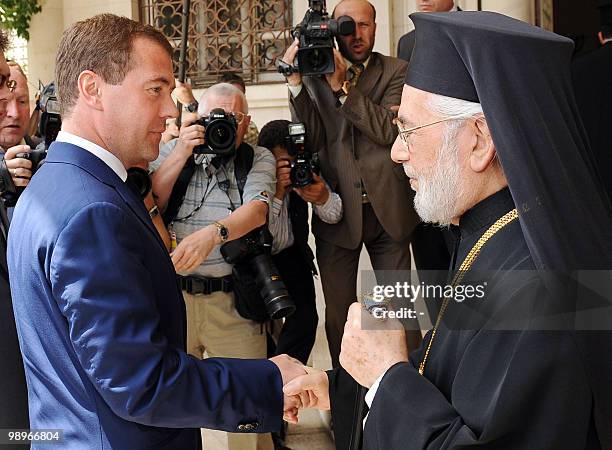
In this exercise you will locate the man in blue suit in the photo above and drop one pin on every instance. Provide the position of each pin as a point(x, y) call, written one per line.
point(100, 317)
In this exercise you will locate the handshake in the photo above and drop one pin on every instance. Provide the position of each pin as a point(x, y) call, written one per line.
point(303, 387)
point(369, 348)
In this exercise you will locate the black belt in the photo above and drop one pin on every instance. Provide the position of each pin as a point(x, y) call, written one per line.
point(206, 286)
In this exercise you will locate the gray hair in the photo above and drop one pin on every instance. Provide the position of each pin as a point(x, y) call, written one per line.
point(449, 106)
point(223, 90)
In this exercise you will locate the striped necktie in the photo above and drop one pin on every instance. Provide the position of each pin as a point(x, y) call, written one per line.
point(355, 72)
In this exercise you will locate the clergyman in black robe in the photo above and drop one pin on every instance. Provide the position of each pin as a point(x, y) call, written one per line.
point(511, 372)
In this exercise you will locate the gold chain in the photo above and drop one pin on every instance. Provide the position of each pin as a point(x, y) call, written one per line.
point(465, 266)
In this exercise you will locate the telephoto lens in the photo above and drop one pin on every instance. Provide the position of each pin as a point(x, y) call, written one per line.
point(271, 287)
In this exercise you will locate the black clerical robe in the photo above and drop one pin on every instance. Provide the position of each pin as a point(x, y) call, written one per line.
point(485, 388)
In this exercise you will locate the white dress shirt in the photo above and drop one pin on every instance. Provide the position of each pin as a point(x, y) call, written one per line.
point(107, 157)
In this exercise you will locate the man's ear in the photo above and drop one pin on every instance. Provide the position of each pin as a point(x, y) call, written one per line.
point(89, 84)
point(247, 121)
point(601, 38)
point(483, 153)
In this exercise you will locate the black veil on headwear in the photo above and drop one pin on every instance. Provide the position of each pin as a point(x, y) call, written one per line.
point(520, 74)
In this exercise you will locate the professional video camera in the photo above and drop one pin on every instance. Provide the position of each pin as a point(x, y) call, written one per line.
point(251, 258)
point(316, 34)
point(50, 117)
point(306, 163)
point(220, 134)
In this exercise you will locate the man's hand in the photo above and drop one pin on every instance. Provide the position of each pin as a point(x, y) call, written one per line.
point(336, 79)
point(19, 168)
point(370, 346)
point(290, 368)
point(283, 178)
point(312, 388)
point(289, 58)
point(316, 192)
point(190, 135)
point(172, 131)
point(183, 93)
point(194, 249)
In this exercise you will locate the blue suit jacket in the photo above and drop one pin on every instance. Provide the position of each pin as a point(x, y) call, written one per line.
point(101, 321)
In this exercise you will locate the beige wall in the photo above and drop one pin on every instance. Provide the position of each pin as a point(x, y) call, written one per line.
point(267, 102)
point(46, 29)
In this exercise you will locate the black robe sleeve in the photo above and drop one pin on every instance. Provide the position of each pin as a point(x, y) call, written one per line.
point(511, 390)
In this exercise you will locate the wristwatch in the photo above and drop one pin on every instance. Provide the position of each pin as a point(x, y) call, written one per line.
point(222, 231)
point(154, 212)
point(192, 107)
point(343, 91)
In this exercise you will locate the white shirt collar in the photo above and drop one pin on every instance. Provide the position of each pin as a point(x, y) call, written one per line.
point(107, 157)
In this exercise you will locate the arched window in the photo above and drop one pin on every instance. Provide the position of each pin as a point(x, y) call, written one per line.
point(242, 36)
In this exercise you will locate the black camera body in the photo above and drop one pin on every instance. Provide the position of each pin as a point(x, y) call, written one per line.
point(50, 117)
point(9, 192)
point(220, 134)
point(251, 257)
point(37, 156)
point(306, 163)
point(316, 35)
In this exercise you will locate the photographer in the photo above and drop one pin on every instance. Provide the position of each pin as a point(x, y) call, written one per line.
point(13, 402)
point(211, 211)
point(15, 172)
point(289, 226)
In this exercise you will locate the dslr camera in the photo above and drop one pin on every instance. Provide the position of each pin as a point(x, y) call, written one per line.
point(9, 192)
point(306, 163)
point(251, 257)
point(220, 134)
point(316, 34)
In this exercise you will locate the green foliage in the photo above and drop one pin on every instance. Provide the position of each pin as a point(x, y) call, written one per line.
point(16, 15)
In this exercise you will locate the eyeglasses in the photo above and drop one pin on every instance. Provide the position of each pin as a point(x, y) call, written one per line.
point(239, 116)
point(10, 84)
point(404, 133)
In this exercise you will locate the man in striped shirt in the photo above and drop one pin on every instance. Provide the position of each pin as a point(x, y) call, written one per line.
point(212, 212)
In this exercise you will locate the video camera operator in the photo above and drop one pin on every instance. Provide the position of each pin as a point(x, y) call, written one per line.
point(348, 110)
point(208, 203)
point(348, 105)
point(296, 185)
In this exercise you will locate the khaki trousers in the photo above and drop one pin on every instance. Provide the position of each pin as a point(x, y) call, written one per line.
point(215, 329)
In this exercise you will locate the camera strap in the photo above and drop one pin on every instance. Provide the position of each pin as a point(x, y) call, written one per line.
point(242, 166)
point(178, 191)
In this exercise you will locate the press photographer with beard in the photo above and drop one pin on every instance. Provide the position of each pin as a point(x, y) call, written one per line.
point(210, 212)
point(13, 402)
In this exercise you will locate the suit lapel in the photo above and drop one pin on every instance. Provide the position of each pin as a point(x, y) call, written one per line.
point(62, 152)
point(370, 75)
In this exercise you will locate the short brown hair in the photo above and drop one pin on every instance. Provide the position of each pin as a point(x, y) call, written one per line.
point(4, 42)
point(102, 44)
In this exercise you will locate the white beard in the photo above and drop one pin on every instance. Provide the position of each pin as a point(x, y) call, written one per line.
point(438, 191)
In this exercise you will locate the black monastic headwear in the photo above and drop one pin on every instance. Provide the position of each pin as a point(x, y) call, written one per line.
point(520, 74)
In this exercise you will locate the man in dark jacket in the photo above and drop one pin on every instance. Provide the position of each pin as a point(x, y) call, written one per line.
point(592, 79)
point(406, 43)
point(13, 404)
